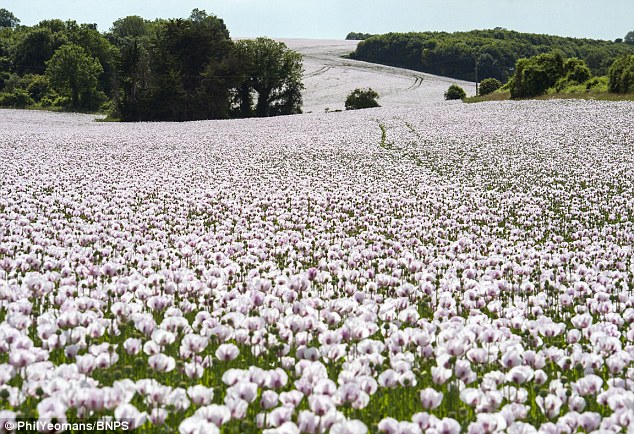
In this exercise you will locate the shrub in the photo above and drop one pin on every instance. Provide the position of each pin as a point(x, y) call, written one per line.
point(576, 70)
point(489, 85)
point(361, 99)
point(597, 83)
point(621, 75)
point(534, 76)
point(576, 73)
point(38, 87)
point(19, 98)
point(455, 92)
point(35, 85)
point(4, 77)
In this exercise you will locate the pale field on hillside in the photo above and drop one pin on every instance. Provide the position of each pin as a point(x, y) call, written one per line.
point(329, 78)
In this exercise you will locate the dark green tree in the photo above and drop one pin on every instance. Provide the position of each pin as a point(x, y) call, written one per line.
point(7, 19)
point(629, 38)
point(198, 15)
point(72, 72)
point(32, 51)
point(97, 46)
point(132, 26)
point(274, 73)
point(621, 75)
point(55, 25)
point(131, 37)
point(575, 72)
point(362, 99)
point(37, 86)
point(184, 70)
point(357, 36)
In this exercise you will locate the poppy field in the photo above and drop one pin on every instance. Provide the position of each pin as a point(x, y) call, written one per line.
point(450, 268)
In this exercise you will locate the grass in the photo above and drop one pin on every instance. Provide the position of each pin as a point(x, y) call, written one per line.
point(596, 89)
point(588, 95)
point(495, 96)
point(58, 109)
point(591, 95)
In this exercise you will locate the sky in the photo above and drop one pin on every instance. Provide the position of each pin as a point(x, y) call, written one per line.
point(333, 19)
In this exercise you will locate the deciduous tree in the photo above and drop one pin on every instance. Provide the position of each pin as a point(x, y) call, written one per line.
point(7, 19)
point(274, 73)
point(74, 73)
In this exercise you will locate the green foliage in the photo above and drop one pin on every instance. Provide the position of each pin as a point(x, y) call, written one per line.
point(4, 78)
point(362, 99)
point(629, 38)
point(7, 19)
point(356, 36)
point(591, 86)
point(496, 51)
point(621, 75)
point(38, 86)
point(489, 85)
point(33, 49)
point(536, 75)
point(274, 73)
point(455, 92)
point(18, 98)
point(129, 27)
point(191, 69)
point(97, 46)
point(576, 70)
point(175, 70)
point(597, 83)
point(72, 72)
point(150, 70)
point(52, 99)
point(34, 84)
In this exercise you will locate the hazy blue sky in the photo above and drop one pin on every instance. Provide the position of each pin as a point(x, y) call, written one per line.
point(335, 18)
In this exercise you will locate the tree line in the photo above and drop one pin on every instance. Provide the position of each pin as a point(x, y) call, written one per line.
point(141, 70)
point(357, 36)
point(495, 51)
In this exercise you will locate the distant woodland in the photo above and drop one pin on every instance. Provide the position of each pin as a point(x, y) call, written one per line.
point(494, 52)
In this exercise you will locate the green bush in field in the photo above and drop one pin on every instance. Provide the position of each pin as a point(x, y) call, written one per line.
point(361, 99)
point(489, 85)
point(455, 92)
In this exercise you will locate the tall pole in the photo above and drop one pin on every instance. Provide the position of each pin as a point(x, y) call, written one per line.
point(476, 76)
